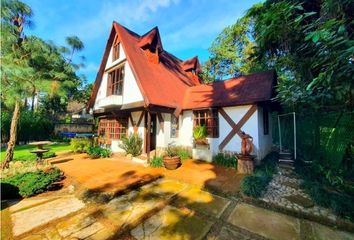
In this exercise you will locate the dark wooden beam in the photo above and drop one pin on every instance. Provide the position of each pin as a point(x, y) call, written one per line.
point(161, 109)
point(161, 121)
point(235, 127)
point(148, 135)
point(140, 118)
point(131, 120)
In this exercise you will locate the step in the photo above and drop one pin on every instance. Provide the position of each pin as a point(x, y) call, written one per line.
point(286, 165)
point(286, 160)
point(286, 156)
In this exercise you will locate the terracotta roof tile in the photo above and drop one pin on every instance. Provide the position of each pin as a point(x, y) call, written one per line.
point(242, 90)
point(168, 83)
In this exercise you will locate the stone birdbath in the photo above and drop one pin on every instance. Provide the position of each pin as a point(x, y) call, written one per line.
point(40, 150)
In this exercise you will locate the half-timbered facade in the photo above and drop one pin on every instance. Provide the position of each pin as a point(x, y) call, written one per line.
point(141, 88)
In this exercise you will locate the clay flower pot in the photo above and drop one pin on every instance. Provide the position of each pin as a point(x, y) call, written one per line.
point(202, 141)
point(172, 163)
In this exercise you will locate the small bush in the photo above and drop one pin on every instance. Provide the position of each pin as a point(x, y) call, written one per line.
point(80, 145)
point(49, 154)
point(182, 153)
point(156, 162)
point(132, 144)
point(226, 161)
point(33, 183)
point(254, 186)
point(97, 152)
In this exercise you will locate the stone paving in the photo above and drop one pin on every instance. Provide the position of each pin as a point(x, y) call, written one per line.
point(164, 209)
point(284, 191)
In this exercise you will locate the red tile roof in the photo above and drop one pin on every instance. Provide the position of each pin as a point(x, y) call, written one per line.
point(253, 88)
point(169, 82)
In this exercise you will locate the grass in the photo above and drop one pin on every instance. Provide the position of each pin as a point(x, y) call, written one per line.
point(22, 153)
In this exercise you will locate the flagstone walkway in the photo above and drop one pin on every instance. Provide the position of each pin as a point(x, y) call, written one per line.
point(163, 209)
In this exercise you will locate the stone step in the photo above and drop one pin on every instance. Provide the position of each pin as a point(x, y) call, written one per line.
point(286, 160)
point(288, 166)
point(286, 156)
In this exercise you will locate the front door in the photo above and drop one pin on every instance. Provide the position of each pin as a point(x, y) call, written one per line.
point(152, 130)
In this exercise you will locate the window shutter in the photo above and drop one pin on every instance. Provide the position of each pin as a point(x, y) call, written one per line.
point(109, 84)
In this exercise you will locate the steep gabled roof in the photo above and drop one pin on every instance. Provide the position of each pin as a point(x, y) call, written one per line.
point(253, 88)
point(163, 83)
point(169, 82)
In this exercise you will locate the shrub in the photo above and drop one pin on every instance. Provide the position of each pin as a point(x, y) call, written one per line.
point(225, 160)
point(32, 126)
point(49, 154)
point(182, 153)
point(156, 162)
point(132, 144)
point(96, 152)
point(80, 145)
point(200, 132)
point(33, 183)
point(254, 186)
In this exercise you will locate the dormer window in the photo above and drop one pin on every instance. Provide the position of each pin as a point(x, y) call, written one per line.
point(115, 81)
point(116, 48)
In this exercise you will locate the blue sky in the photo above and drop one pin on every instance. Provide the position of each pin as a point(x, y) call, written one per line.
point(187, 27)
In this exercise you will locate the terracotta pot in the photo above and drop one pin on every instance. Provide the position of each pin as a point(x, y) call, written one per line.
point(172, 163)
point(202, 141)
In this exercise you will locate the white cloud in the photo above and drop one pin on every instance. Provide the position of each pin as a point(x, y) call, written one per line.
point(129, 13)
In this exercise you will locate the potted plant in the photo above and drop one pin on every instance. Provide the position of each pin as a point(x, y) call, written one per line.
point(201, 149)
point(200, 134)
point(171, 160)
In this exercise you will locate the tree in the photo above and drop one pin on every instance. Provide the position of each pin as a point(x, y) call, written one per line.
point(232, 52)
point(309, 43)
point(29, 64)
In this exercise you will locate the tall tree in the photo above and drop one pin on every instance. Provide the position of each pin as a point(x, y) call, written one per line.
point(28, 64)
point(309, 43)
point(232, 52)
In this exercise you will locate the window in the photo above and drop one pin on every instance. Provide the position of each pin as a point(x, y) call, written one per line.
point(174, 126)
point(113, 128)
point(115, 51)
point(208, 118)
point(115, 81)
point(265, 122)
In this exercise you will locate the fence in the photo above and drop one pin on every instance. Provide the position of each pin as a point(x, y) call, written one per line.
point(320, 136)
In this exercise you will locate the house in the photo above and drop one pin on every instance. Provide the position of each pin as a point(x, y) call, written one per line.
point(142, 88)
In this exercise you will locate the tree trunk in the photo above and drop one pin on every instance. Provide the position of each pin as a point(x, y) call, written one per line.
point(33, 99)
point(13, 136)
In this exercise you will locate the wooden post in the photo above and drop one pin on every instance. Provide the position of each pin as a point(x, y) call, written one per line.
point(148, 135)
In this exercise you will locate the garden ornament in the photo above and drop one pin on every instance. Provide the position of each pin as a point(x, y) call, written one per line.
point(246, 144)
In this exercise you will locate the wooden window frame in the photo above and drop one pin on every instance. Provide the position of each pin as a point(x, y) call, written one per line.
point(113, 128)
point(174, 125)
point(115, 81)
point(265, 121)
point(115, 49)
point(211, 119)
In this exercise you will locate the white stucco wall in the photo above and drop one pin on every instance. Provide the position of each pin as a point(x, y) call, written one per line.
point(186, 129)
point(136, 115)
point(131, 91)
point(265, 141)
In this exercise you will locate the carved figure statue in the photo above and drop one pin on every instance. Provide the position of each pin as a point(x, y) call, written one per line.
point(246, 144)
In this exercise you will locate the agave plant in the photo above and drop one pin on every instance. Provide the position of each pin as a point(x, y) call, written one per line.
point(200, 133)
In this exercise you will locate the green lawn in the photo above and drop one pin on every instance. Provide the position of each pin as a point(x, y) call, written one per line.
point(22, 153)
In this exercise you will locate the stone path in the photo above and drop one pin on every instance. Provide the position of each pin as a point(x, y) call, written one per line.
point(164, 209)
point(284, 191)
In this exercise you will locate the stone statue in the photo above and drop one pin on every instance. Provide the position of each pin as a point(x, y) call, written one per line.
point(246, 144)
